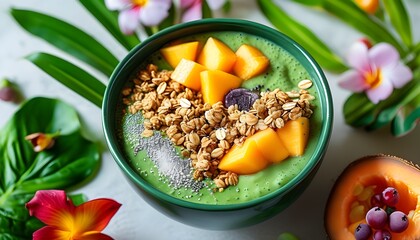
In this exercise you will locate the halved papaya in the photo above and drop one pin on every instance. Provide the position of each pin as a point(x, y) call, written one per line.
point(373, 173)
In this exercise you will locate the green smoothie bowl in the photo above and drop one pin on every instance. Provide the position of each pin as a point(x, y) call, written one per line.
point(213, 142)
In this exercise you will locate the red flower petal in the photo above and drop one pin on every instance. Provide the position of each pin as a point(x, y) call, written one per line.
point(53, 208)
point(94, 236)
point(94, 215)
point(49, 232)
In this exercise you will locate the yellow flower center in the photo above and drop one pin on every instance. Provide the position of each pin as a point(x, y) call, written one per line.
point(374, 78)
point(139, 3)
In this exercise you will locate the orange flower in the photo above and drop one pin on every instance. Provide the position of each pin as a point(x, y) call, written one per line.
point(42, 141)
point(65, 221)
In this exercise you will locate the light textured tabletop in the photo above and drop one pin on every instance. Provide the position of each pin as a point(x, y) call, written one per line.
point(136, 219)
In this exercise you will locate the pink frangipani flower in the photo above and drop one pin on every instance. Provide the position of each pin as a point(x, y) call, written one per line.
point(377, 71)
point(139, 12)
point(65, 221)
point(193, 8)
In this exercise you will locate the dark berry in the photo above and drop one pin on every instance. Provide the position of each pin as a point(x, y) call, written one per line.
point(398, 222)
point(362, 232)
point(382, 235)
point(376, 200)
point(244, 98)
point(390, 196)
point(7, 94)
point(376, 218)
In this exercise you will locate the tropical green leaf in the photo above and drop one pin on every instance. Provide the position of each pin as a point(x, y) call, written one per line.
point(109, 20)
point(227, 6)
point(388, 113)
point(68, 38)
point(23, 171)
point(359, 111)
point(310, 2)
point(71, 76)
point(205, 9)
point(399, 19)
point(407, 118)
point(351, 14)
point(291, 27)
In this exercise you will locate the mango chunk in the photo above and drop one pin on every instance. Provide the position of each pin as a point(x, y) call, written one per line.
point(216, 84)
point(295, 135)
point(173, 54)
point(187, 73)
point(250, 62)
point(215, 55)
point(270, 145)
point(244, 159)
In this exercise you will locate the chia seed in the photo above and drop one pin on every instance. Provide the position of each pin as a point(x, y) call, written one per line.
point(163, 154)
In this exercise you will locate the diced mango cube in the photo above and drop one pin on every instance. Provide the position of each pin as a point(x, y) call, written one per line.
point(244, 159)
point(250, 62)
point(187, 73)
point(295, 135)
point(270, 145)
point(173, 54)
point(216, 84)
point(215, 55)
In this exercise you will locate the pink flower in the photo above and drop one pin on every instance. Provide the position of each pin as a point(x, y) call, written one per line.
point(139, 12)
point(69, 222)
point(377, 71)
point(193, 8)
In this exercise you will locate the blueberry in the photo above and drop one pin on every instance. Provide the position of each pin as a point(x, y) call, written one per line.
point(398, 222)
point(382, 235)
point(362, 232)
point(244, 98)
point(376, 218)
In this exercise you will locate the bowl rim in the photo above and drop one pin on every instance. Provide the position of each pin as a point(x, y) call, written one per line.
point(314, 160)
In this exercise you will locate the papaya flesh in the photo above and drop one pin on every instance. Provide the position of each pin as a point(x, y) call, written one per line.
point(379, 171)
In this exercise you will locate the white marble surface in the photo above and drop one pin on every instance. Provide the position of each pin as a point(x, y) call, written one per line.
point(136, 219)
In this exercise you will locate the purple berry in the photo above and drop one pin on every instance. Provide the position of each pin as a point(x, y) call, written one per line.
point(244, 98)
point(376, 218)
point(390, 196)
point(398, 222)
point(362, 232)
point(7, 94)
point(376, 200)
point(382, 235)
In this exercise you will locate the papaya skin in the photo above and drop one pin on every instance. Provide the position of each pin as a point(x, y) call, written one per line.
point(382, 171)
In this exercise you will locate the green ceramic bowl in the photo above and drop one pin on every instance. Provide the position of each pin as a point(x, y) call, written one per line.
point(203, 215)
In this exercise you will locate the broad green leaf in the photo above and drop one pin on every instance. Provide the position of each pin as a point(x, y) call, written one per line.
point(291, 27)
point(68, 38)
point(359, 111)
point(109, 20)
point(310, 2)
point(387, 114)
point(351, 14)
point(205, 9)
point(227, 6)
point(407, 118)
point(71, 76)
point(399, 19)
point(23, 171)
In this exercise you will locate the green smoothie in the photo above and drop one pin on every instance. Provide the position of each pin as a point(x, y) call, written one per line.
point(284, 73)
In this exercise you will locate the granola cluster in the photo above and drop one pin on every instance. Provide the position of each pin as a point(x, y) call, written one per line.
point(206, 132)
